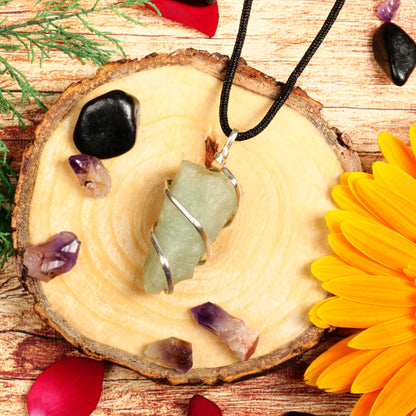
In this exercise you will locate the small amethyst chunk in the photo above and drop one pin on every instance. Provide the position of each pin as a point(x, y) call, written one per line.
point(56, 256)
point(232, 331)
point(388, 10)
point(107, 125)
point(92, 174)
point(172, 353)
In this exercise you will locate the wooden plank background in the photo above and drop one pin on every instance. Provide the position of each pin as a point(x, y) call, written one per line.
point(357, 98)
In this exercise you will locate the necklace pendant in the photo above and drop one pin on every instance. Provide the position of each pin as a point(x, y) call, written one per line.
point(198, 204)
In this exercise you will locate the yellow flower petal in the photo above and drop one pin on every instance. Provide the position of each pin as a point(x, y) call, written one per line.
point(395, 179)
point(349, 314)
point(380, 243)
point(374, 290)
point(351, 255)
point(386, 334)
point(398, 398)
point(314, 318)
point(375, 231)
point(413, 137)
point(347, 176)
point(410, 271)
point(344, 198)
point(343, 179)
point(395, 210)
point(340, 375)
point(397, 153)
point(379, 371)
point(364, 405)
point(353, 177)
point(329, 267)
point(325, 359)
point(335, 217)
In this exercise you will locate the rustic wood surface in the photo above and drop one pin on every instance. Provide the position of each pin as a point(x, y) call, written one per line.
point(357, 98)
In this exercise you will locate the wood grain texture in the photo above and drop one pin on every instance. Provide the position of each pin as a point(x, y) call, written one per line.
point(28, 346)
point(357, 98)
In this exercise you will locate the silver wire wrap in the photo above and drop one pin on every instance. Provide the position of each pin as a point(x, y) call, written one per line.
point(197, 225)
point(164, 262)
point(219, 158)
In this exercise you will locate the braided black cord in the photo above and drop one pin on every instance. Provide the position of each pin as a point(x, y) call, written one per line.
point(286, 89)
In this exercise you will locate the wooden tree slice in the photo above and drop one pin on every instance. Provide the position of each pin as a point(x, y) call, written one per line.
point(259, 268)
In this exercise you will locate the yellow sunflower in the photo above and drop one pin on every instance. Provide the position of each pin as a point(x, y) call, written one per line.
point(372, 276)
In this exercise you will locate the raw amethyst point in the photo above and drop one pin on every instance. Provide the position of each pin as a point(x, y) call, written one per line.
point(79, 163)
point(56, 256)
point(172, 353)
point(388, 10)
point(231, 331)
point(107, 125)
point(92, 174)
point(209, 316)
point(395, 52)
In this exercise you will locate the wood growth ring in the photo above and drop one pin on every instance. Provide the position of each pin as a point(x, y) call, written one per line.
point(259, 267)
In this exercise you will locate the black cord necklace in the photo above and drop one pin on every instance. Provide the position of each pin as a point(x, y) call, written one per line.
point(227, 214)
point(286, 89)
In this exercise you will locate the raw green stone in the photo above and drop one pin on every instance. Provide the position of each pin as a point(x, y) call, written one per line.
point(211, 198)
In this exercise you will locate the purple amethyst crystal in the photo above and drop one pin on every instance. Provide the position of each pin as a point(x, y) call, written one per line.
point(92, 174)
point(388, 9)
point(56, 256)
point(232, 331)
point(172, 353)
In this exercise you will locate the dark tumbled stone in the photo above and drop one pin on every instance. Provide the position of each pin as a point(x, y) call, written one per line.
point(395, 52)
point(107, 125)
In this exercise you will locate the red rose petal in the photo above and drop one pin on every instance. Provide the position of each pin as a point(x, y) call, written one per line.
point(191, 13)
point(201, 406)
point(70, 387)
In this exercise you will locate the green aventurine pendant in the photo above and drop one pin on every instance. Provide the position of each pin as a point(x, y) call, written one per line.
point(198, 204)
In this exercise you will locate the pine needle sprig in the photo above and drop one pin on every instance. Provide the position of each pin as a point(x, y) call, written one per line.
point(48, 30)
point(7, 190)
point(46, 34)
point(8, 101)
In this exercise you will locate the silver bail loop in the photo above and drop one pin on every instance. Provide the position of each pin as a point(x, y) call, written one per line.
point(220, 157)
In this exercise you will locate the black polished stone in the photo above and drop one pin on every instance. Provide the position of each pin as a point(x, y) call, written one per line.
point(107, 125)
point(395, 52)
